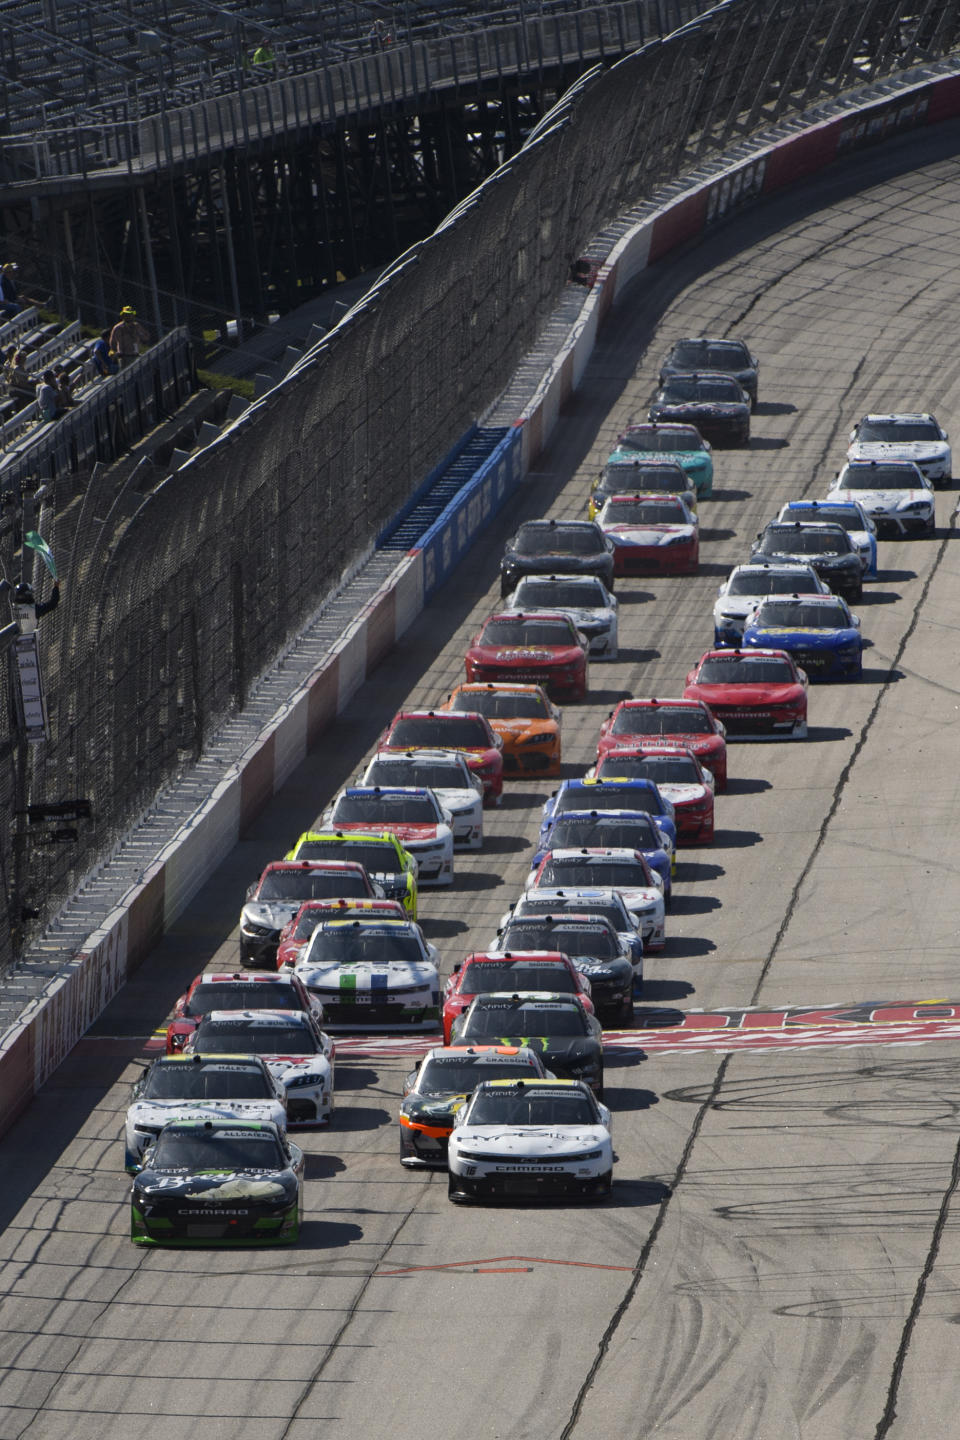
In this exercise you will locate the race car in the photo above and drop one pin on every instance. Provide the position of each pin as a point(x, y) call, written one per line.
point(539, 648)
point(592, 944)
point(817, 630)
point(448, 775)
point(651, 534)
point(556, 1027)
point(617, 793)
point(282, 888)
point(509, 968)
point(715, 403)
point(372, 975)
point(827, 548)
point(606, 903)
point(291, 1044)
point(895, 494)
point(218, 1182)
point(679, 777)
point(848, 513)
point(746, 584)
point(296, 933)
point(447, 1077)
point(525, 719)
point(629, 829)
point(543, 547)
point(609, 868)
point(467, 731)
point(392, 869)
point(687, 720)
point(584, 599)
point(758, 694)
point(724, 357)
point(682, 443)
point(201, 1087)
point(917, 438)
point(626, 474)
point(219, 990)
point(532, 1138)
point(410, 812)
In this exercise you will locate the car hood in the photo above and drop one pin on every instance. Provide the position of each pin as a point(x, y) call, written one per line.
point(897, 450)
point(220, 1187)
point(624, 534)
point(274, 913)
point(682, 794)
point(403, 832)
point(523, 1140)
point(667, 411)
point(810, 639)
point(456, 801)
point(744, 696)
point(368, 976)
point(434, 1111)
point(889, 499)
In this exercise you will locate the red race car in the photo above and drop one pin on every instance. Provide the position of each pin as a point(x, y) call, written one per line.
point(689, 721)
point(539, 648)
point(296, 933)
point(677, 774)
point(466, 731)
point(757, 694)
point(511, 971)
point(652, 534)
point(214, 990)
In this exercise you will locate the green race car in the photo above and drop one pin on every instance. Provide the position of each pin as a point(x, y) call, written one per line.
point(388, 864)
point(682, 443)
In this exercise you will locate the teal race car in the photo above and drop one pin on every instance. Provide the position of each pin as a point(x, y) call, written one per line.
point(681, 443)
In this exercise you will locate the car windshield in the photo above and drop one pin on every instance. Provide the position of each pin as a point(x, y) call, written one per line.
point(516, 975)
point(385, 809)
point(307, 924)
point(663, 475)
point(791, 614)
point(535, 539)
point(710, 355)
point(573, 940)
point(881, 477)
point(524, 1019)
point(437, 732)
point(527, 632)
point(679, 391)
point(435, 774)
point(846, 517)
point(762, 582)
point(605, 909)
point(574, 831)
point(559, 595)
point(668, 769)
point(645, 512)
point(897, 432)
point(348, 946)
point(194, 1151)
point(659, 441)
point(203, 1080)
point(377, 858)
point(660, 720)
point(502, 705)
point(801, 540)
point(604, 797)
point(744, 670)
point(457, 1074)
point(592, 870)
point(240, 995)
point(221, 1037)
point(532, 1107)
point(310, 884)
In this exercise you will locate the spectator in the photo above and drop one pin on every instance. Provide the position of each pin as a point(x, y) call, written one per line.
point(104, 360)
point(379, 36)
point(264, 61)
point(127, 337)
point(48, 399)
point(20, 382)
point(9, 294)
point(65, 387)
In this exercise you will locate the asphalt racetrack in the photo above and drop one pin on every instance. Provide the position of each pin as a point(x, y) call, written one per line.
point(779, 1258)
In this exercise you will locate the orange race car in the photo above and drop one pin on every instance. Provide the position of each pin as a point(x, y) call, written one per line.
point(524, 718)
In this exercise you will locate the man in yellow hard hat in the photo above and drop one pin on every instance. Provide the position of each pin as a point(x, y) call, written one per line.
point(127, 337)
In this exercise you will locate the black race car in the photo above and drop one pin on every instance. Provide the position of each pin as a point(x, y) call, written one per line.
point(544, 547)
point(828, 549)
point(594, 947)
point(716, 404)
point(447, 1075)
point(623, 476)
point(557, 1027)
point(725, 357)
point(218, 1182)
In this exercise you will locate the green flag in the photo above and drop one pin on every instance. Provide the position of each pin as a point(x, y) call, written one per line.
point(37, 542)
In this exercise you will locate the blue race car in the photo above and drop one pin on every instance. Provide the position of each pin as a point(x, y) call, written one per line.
point(817, 630)
point(613, 794)
point(635, 829)
point(848, 513)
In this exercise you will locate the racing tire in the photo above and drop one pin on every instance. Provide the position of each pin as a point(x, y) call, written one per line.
point(626, 1009)
point(599, 1090)
point(605, 1186)
point(455, 1196)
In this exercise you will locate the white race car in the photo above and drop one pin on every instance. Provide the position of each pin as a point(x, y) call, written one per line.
point(410, 812)
point(584, 598)
point(450, 778)
point(201, 1087)
point(917, 438)
point(530, 1138)
point(613, 868)
point(746, 584)
point(895, 494)
point(290, 1042)
point(373, 975)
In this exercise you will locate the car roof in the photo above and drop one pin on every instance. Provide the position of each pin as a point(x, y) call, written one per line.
point(577, 1086)
point(595, 852)
point(482, 1052)
point(245, 977)
point(765, 652)
point(239, 1061)
point(363, 791)
point(830, 599)
point(379, 925)
point(274, 1019)
point(527, 615)
point(896, 416)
